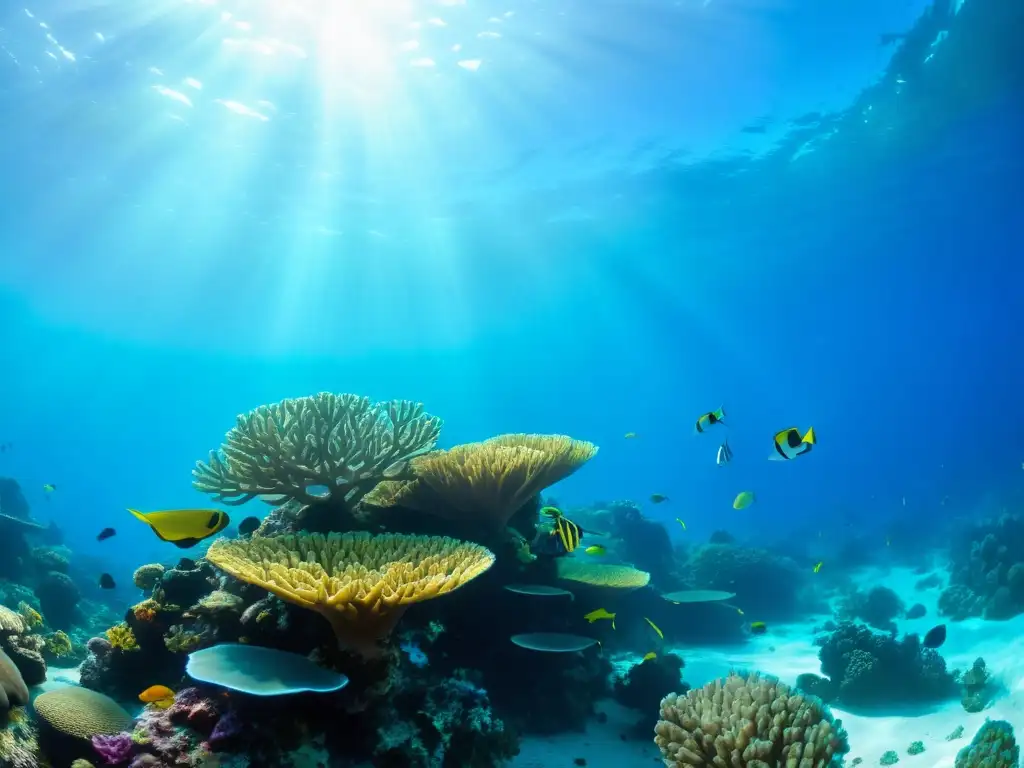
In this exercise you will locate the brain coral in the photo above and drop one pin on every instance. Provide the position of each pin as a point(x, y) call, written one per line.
point(82, 713)
point(748, 722)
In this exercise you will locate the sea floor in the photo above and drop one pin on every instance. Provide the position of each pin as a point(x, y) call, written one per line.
point(788, 650)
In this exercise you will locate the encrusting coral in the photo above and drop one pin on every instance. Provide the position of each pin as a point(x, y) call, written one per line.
point(748, 722)
point(343, 443)
point(486, 482)
point(359, 582)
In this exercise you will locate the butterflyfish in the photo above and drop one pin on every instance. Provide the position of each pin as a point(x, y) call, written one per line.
point(724, 454)
point(248, 526)
point(564, 536)
point(184, 527)
point(595, 549)
point(600, 613)
point(758, 627)
point(655, 628)
point(789, 444)
point(817, 566)
point(743, 500)
point(158, 695)
point(681, 523)
point(649, 656)
point(709, 419)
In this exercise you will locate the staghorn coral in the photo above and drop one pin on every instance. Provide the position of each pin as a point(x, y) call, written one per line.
point(122, 638)
point(748, 722)
point(602, 575)
point(360, 583)
point(486, 482)
point(344, 443)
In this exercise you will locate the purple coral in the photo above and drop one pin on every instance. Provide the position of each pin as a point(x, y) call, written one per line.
point(114, 749)
point(226, 730)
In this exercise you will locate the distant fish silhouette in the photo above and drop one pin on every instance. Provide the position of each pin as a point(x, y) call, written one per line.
point(107, 581)
point(106, 533)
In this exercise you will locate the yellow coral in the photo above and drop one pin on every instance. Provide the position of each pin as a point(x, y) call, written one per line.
point(601, 575)
point(359, 582)
point(30, 616)
point(122, 637)
point(488, 481)
point(59, 644)
point(182, 640)
point(146, 610)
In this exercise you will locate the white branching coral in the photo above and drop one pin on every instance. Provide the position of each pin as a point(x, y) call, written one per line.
point(342, 444)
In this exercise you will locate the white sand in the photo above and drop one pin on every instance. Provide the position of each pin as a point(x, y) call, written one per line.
point(1001, 644)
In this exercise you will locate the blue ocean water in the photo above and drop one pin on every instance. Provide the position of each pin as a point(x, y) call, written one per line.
point(550, 216)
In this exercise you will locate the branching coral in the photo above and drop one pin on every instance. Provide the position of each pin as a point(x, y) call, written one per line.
point(343, 443)
point(122, 638)
point(486, 482)
point(361, 583)
point(748, 722)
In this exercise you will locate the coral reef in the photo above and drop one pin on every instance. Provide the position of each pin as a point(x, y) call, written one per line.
point(870, 669)
point(645, 543)
point(71, 717)
point(993, 746)
point(748, 721)
point(878, 608)
point(645, 684)
point(19, 743)
point(977, 687)
point(766, 585)
point(986, 570)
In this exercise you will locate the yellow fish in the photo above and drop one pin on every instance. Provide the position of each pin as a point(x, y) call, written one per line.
point(158, 695)
point(600, 613)
point(49, 487)
point(758, 627)
point(649, 657)
point(595, 549)
point(184, 527)
point(743, 500)
point(630, 435)
point(568, 533)
point(789, 444)
point(817, 567)
point(551, 511)
point(655, 628)
point(681, 523)
point(712, 417)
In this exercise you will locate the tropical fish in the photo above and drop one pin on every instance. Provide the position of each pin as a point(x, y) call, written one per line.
point(106, 533)
point(681, 523)
point(743, 500)
point(789, 444)
point(158, 695)
point(600, 613)
point(935, 637)
point(49, 487)
point(817, 566)
point(107, 581)
point(184, 527)
point(649, 656)
point(248, 526)
point(711, 417)
point(539, 590)
point(551, 511)
point(595, 549)
point(655, 628)
point(758, 627)
point(724, 454)
point(657, 498)
point(630, 435)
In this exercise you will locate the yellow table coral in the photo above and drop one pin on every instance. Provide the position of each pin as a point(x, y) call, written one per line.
point(485, 482)
point(359, 582)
